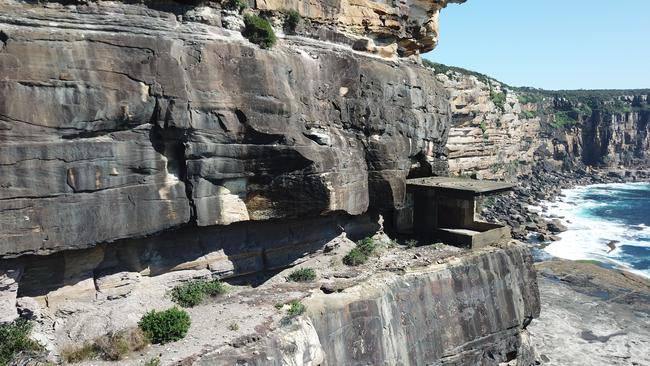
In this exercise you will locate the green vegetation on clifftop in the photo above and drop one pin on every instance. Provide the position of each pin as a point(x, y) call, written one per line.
point(14, 339)
point(259, 31)
point(565, 107)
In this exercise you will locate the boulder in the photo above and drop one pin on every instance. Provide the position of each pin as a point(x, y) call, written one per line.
point(556, 226)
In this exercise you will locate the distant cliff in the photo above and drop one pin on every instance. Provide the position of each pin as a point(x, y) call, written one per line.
point(498, 130)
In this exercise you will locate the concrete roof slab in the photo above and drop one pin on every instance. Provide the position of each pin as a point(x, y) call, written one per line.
point(461, 185)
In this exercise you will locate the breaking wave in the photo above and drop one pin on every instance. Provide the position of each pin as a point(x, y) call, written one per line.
point(608, 223)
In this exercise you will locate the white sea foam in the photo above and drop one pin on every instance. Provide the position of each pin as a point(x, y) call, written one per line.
point(592, 238)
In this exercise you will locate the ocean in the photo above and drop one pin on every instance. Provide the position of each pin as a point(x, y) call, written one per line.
point(608, 223)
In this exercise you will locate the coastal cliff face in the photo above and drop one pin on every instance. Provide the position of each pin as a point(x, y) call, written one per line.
point(498, 131)
point(125, 119)
point(488, 135)
point(143, 146)
point(412, 318)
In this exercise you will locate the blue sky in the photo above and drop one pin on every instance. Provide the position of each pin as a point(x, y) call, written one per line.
point(550, 44)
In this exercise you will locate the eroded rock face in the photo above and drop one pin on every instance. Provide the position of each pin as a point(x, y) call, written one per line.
point(119, 121)
point(411, 24)
point(489, 137)
point(616, 139)
point(495, 135)
point(469, 313)
point(472, 310)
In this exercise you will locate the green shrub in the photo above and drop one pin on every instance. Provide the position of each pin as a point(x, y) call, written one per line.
point(302, 275)
point(355, 258)
point(562, 119)
point(499, 99)
point(296, 308)
point(238, 5)
point(234, 327)
point(14, 338)
point(292, 20)
point(583, 110)
point(367, 245)
point(192, 293)
point(412, 243)
point(483, 127)
point(527, 114)
point(165, 326)
point(259, 31)
point(359, 255)
point(153, 362)
point(530, 98)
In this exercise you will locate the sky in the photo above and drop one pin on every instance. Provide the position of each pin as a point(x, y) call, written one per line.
point(550, 44)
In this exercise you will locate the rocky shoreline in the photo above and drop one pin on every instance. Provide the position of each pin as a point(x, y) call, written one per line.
point(545, 183)
point(590, 315)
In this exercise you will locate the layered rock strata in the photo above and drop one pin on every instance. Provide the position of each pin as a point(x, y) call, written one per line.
point(488, 136)
point(119, 121)
point(433, 305)
point(500, 132)
point(412, 25)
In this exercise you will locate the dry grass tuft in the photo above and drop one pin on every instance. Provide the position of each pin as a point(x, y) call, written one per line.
point(110, 347)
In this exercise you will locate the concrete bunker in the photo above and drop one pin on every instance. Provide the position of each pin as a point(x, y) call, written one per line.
point(443, 208)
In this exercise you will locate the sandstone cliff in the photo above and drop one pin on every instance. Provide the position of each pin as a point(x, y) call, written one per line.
point(131, 120)
point(145, 145)
point(499, 131)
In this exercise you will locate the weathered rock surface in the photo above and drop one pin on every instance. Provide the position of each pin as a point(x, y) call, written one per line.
point(412, 25)
point(9, 278)
point(499, 132)
point(413, 319)
point(591, 316)
point(433, 304)
point(120, 121)
point(488, 136)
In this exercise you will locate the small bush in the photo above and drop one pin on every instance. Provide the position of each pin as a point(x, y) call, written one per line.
point(499, 99)
point(530, 98)
point(483, 127)
point(234, 327)
point(153, 362)
point(563, 119)
point(302, 275)
point(259, 31)
point(165, 326)
point(528, 114)
point(238, 5)
point(367, 246)
point(355, 258)
point(359, 255)
point(14, 339)
point(292, 20)
point(296, 308)
point(412, 243)
point(192, 293)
